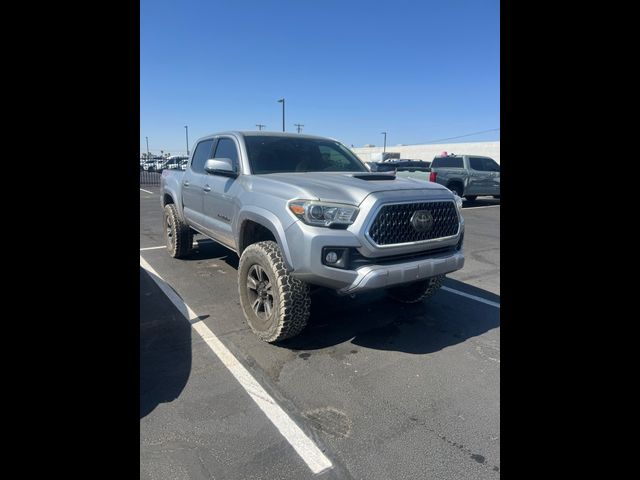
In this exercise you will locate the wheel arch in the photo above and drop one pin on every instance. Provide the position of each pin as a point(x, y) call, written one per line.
point(247, 221)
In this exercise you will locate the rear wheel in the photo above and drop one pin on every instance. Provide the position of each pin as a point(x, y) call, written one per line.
point(416, 292)
point(276, 305)
point(177, 234)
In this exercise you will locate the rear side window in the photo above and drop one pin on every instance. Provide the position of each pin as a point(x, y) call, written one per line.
point(447, 162)
point(201, 155)
point(227, 149)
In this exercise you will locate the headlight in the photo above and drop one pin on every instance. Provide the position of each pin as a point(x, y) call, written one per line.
point(323, 214)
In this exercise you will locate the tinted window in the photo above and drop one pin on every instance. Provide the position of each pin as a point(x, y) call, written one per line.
point(227, 149)
point(491, 165)
point(476, 163)
point(201, 155)
point(447, 162)
point(484, 164)
point(334, 158)
point(292, 154)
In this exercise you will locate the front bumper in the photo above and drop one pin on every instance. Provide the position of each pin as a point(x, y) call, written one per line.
point(305, 245)
point(372, 277)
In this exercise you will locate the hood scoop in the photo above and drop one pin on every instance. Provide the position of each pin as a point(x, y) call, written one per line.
point(374, 176)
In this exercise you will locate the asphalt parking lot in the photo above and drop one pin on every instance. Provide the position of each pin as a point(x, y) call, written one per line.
point(384, 391)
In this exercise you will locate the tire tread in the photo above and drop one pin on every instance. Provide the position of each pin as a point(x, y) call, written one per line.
point(183, 235)
point(294, 306)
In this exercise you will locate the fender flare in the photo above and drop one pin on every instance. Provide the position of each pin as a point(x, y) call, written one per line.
point(268, 220)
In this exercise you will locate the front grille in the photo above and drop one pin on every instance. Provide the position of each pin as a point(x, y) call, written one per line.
point(393, 225)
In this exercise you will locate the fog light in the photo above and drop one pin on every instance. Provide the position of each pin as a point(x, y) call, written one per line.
point(332, 257)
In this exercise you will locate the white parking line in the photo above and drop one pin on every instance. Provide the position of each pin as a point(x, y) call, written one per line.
point(473, 297)
point(303, 445)
point(146, 191)
point(475, 208)
point(152, 248)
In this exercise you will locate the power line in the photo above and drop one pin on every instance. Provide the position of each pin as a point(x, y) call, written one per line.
point(459, 136)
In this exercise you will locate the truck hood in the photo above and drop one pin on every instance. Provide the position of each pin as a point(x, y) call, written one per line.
point(348, 187)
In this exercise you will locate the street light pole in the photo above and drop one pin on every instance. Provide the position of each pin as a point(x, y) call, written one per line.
point(147, 147)
point(299, 125)
point(282, 101)
point(186, 131)
point(384, 149)
point(260, 126)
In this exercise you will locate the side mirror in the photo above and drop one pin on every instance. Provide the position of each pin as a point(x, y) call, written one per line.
point(220, 166)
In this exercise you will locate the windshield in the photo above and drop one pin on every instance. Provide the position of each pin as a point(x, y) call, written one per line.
point(290, 154)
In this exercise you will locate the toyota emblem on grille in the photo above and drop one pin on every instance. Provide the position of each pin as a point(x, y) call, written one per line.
point(422, 220)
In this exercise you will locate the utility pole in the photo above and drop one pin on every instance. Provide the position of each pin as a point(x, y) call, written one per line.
point(186, 131)
point(299, 125)
point(282, 102)
point(384, 149)
point(260, 126)
point(147, 147)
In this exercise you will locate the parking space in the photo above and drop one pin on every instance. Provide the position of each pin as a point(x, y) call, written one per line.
point(197, 421)
point(383, 390)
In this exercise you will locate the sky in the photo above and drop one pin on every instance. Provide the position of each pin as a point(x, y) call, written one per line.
point(419, 70)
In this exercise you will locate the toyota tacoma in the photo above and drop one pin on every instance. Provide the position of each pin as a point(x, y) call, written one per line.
point(303, 211)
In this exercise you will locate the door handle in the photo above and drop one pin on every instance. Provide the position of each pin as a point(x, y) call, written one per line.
point(185, 183)
point(207, 188)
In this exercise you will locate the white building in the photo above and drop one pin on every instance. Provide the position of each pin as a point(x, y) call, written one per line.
point(428, 151)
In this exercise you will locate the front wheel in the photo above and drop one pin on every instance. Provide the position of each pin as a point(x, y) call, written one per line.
point(471, 198)
point(276, 305)
point(416, 292)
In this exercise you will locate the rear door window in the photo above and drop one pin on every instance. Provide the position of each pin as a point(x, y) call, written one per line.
point(477, 163)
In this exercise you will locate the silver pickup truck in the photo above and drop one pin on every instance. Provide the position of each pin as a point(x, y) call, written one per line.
point(303, 211)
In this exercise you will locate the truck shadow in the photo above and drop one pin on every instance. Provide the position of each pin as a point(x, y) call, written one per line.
point(165, 347)
point(374, 321)
point(206, 249)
